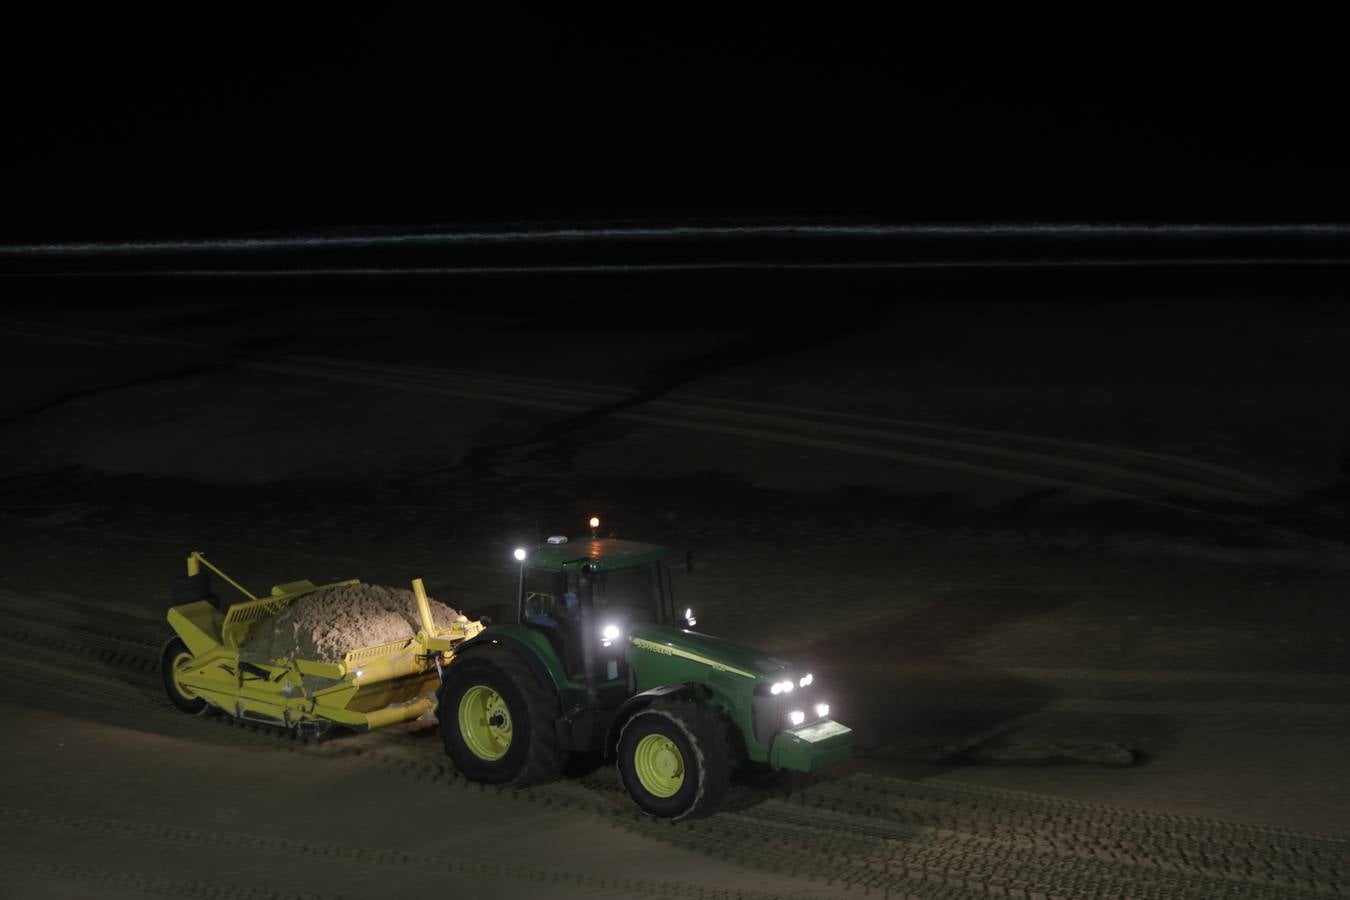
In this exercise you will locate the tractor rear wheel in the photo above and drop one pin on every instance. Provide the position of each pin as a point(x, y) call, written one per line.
point(674, 760)
point(175, 657)
point(496, 720)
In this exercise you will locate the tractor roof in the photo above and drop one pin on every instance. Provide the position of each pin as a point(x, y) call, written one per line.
point(603, 554)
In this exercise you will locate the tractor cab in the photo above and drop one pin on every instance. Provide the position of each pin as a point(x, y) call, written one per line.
point(585, 597)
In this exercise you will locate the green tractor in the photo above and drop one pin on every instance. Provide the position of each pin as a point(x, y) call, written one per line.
point(599, 662)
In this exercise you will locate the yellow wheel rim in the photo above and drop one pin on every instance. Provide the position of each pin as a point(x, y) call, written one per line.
point(659, 765)
point(180, 662)
point(485, 722)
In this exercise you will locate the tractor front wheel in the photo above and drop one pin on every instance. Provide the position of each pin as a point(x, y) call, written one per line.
point(175, 658)
point(496, 720)
point(674, 760)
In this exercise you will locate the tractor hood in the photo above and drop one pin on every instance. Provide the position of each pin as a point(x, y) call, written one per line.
point(713, 652)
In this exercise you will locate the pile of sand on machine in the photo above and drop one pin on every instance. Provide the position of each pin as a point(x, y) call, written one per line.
point(325, 624)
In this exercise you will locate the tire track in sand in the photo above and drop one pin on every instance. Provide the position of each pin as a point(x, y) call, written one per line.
point(867, 831)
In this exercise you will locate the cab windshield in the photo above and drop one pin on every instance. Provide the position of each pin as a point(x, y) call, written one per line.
point(634, 593)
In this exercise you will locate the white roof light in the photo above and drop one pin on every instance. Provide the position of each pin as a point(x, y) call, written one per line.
point(520, 554)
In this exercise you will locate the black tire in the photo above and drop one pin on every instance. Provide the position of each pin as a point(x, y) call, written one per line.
point(174, 652)
point(533, 755)
point(701, 737)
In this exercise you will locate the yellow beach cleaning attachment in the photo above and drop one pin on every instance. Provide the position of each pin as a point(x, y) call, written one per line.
point(206, 666)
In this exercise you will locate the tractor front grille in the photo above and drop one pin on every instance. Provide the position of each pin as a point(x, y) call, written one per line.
point(771, 711)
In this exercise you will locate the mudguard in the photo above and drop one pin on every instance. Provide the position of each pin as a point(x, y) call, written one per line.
point(639, 701)
point(532, 647)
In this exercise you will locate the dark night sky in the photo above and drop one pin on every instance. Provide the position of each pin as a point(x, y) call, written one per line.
point(525, 114)
point(199, 127)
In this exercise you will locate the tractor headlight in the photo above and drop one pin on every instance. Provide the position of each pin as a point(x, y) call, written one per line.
point(781, 687)
point(610, 633)
point(822, 710)
point(806, 680)
point(520, 554)
point(796, 717)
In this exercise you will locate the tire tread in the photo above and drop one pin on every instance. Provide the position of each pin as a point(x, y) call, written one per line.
point(544, 758)
point(706, 731)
